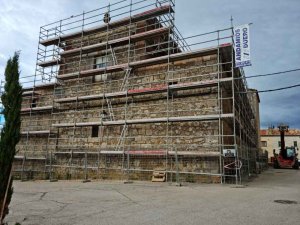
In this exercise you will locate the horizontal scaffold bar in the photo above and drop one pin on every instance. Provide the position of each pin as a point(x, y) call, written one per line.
point(143, 152)
point(41, 86)
point(125, 21)
point(36, 132)
point(152, 90)
point(142, 63)
point(29, 93)
point(52, 62)
point(20, 157)
point(146, 120)
point(116, 42)
point(37, 109)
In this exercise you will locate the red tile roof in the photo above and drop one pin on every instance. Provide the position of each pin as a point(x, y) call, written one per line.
point(275, 132)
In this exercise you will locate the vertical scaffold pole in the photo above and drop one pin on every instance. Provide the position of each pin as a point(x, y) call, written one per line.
point(237, 170)
point(126, 89)
point(52, 114)
point(219, 103)
point(30, 112)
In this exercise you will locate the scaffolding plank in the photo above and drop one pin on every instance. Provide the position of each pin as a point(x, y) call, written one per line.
point(92, 72)
point(19, 157)
point(84, 124)
point(37, 109)
point(155, 89)
point(29, 93)
point(66, 100)
point(37, 132)
point(76, 153)
point(35, 158)
point(41, 86)
point(115, 42)
point(152, 152)
point(147, 120)
point(147, 152)
point(29, 158)
point(108, 152)
point(199, 84)
point(135, 18)
point(173, 57)
point(195, 153)
point(80, 98)
point(47, 63)
point(26, 171)
point(63, 125)
point(115, 94)
point(109, 69)
point(143, 91)
point(142, 63)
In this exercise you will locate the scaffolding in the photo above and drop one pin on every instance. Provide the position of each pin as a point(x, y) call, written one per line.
point(118, 93)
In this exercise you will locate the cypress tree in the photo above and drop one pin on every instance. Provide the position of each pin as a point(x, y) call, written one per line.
point(10, 134)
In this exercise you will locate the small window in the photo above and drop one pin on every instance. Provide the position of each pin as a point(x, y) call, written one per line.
point(103, 61)
point(173, 83)
point(101, 77)
point(264, 144)
point(104, 115)
point(295, 144)
point(95, 131)
point(33, 103)
point(279, 143)
point(58, 92)
point(174, 93)
point(100, 62)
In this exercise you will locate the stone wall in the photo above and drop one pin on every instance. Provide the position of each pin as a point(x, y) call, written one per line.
point(133, 152)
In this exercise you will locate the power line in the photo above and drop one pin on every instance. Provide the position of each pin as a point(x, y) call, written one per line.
point(273, 74)
point(271, 90)
point(278, 89)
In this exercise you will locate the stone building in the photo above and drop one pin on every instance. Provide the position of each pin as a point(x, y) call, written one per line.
point(127, 97)
point(270, 139)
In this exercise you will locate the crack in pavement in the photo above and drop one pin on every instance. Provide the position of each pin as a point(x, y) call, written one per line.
point(130, 199)
point(43, 195)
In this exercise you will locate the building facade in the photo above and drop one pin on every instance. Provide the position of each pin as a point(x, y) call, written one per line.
point(126, 96)
point(270, 140)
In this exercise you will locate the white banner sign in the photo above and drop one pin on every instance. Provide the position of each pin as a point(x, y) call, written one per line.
point(242, 46)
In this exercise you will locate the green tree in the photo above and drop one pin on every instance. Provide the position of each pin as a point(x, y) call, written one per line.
point(10, 134)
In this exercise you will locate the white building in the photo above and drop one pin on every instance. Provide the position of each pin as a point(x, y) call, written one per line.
point(270, 139)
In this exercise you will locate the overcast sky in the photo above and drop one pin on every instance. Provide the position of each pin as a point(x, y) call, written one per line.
point(274, 39)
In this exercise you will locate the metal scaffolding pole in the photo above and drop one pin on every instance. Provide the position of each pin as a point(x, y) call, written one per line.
point(158, 101)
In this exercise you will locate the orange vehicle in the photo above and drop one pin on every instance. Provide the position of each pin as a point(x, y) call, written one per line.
point(287, 157)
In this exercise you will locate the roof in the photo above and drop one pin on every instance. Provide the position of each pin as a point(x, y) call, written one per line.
point(275, 132)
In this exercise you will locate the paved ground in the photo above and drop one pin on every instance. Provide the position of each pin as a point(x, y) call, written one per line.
point(44, 203)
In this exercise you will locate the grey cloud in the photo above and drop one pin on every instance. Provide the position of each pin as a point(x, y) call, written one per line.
point(274, 39)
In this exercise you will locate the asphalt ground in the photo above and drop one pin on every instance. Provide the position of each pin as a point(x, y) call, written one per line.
point(272, 198)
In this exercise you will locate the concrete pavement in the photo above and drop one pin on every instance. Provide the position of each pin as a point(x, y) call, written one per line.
point(103, 202)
